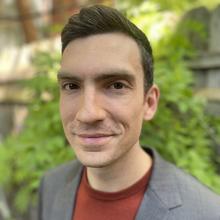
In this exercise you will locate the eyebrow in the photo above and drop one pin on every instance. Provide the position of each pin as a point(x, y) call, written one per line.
point(113, 74)
point(65, 75)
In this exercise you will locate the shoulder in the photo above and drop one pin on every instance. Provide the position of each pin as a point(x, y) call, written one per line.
point(182, 193)
point(58, 178)
point(53, 182)
point(197, 199)
point(190, 187)
point(62, 174)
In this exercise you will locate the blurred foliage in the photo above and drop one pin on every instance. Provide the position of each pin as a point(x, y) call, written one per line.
point(41, 145)
point(163, 5)
point(181, 131)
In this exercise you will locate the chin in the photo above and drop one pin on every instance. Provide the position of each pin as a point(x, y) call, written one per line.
point(95, 164)
point(94, 159)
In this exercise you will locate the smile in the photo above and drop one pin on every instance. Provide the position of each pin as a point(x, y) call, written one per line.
point(94, 139)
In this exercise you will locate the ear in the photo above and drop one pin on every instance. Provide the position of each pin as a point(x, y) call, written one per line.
point(151, 100)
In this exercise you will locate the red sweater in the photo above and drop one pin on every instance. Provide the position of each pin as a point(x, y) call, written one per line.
point(96, 205)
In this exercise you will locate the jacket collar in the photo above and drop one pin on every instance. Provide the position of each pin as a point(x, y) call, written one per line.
point(164, 182)
point(65, 199)
point(161, 196)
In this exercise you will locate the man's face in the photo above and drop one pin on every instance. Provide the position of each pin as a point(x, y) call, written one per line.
point(102, 100)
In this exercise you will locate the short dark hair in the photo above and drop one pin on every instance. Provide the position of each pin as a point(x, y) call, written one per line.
point(101, 19)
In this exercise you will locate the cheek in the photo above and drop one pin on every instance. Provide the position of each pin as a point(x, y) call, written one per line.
point(66, 110)
point(129, 115)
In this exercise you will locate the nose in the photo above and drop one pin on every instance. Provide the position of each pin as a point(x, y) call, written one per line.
point(91, 109)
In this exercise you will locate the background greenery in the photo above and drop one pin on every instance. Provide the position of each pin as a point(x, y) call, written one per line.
point(181, 131)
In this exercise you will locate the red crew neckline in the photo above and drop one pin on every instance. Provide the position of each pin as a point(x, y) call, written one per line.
point(141, 184)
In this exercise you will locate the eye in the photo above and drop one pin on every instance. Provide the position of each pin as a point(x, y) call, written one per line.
point(118, 85)
point(70, 86)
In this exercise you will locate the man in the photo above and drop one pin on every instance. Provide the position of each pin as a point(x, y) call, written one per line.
point(106, 91)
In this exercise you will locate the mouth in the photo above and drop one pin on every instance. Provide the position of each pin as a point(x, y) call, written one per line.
point(94, 139)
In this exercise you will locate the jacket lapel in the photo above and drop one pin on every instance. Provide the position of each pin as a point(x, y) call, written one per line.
point(162, 194)
point(65, 199)
point(151, 208)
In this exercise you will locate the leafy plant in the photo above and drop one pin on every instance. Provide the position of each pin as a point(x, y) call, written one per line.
point(181, 130)
point(42, 144)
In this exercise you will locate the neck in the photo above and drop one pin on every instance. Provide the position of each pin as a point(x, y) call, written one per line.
point(121, 174)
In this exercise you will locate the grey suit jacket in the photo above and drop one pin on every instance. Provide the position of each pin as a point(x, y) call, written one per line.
point(171, 195)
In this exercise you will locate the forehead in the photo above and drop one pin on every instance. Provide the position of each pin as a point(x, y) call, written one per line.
point(100, 53)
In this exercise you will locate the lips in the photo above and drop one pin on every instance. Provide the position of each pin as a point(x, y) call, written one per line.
point(96, 135)
point(94, 139)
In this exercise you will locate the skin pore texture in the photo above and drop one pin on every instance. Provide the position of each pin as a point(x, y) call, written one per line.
point(103, 105)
